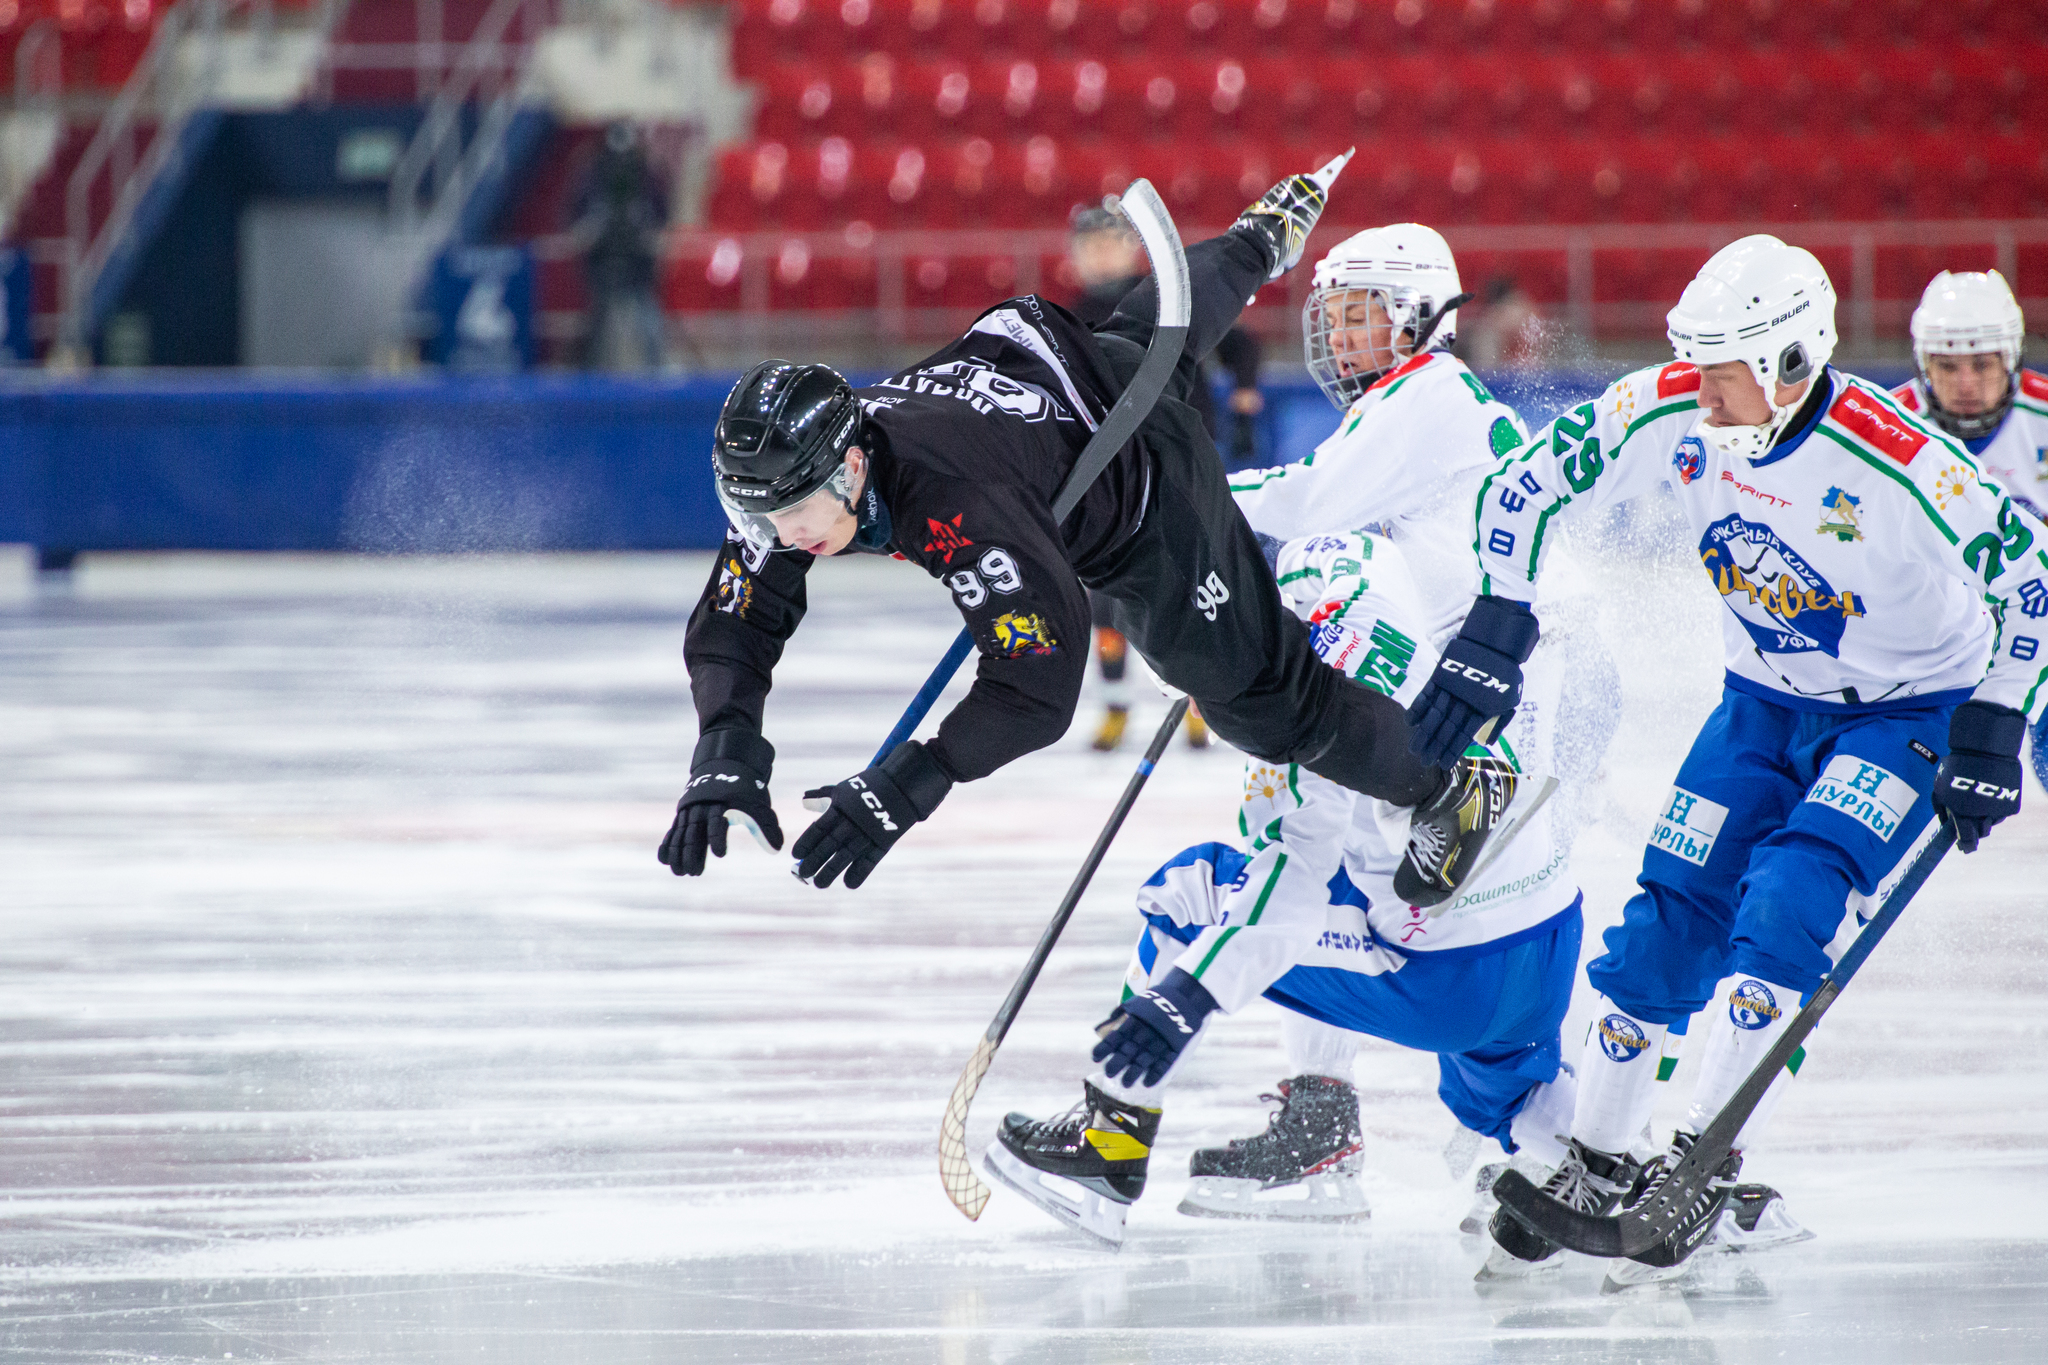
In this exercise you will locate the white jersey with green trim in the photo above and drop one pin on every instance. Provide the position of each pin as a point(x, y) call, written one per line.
point(1867, 560)
point(1406, 458)
point(1319, 890)
point(2016, 455)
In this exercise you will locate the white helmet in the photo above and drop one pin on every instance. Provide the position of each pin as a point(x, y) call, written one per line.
point(1768, 305)
point(1968, 313)
point(1408, 271)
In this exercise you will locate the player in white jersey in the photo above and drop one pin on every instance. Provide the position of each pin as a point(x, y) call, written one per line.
point(1967, 334)
point(1881, 666)
point(1418, 432)
point(1307, 915)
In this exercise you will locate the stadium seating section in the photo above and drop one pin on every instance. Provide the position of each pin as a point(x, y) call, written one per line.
point(97, 42)
point(893, 114)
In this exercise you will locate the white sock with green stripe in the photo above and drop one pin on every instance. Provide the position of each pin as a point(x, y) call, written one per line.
point(1617, 1079)
point(1747, 1016)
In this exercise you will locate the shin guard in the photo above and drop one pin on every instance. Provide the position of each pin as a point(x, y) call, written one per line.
point(1747, 1018)
point(1617, 1079)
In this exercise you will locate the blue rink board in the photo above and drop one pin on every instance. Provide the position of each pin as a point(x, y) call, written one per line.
point(228, 461)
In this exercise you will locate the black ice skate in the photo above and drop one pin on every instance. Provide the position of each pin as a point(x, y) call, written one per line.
point(1588, 1180)
point(1284, 216)
point(1084, 1167)
point(1447, 832)
point(1666, 1260)
point(1756, 1219)
point(1303, 1168)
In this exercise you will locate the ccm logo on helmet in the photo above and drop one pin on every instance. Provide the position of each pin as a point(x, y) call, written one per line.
point(873, 803)
point(1990, 789)
point(1478, 675)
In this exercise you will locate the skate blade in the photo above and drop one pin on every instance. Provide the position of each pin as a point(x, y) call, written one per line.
point(1073, 1203)
point(1500, 1268)
point(1775, 1227)
point(1330, 1197)
point(1623, 1276)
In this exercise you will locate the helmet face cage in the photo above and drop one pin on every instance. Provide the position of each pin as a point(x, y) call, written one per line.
point(1977, 316)
point(1340, 356)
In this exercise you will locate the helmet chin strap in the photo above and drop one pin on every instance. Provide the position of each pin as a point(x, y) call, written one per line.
point(1753, 442)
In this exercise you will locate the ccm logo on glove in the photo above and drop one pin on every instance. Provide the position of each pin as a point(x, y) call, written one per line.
point(1478, 675)
point(1990, 789)
point(873, 803)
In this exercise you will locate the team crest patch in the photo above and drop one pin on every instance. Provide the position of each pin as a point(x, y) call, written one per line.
point(735, 588)
point(1022, 632)
point(1839, 517)
point(1689, 459)
point(1751, 1005)
point(946, 537)
point(1688, 826)
point(1866, 793)
point(1621, 1038)
point(1758, 574)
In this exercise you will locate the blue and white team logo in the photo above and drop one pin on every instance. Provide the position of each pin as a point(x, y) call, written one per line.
point(1752, 1006)
point(1782, 601)
point(1622, 1038)
point(1689, 459)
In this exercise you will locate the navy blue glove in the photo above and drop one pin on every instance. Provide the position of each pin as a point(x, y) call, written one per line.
point(1478, 678)
point(1979, 782)
point(868, 813)
point(728, 774)
point(1146, 1035)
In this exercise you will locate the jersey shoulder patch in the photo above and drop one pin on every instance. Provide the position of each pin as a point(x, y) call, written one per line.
point(2034, 385)
point(1403, 370)
point(1908, 396)
point(1871, 422)
point(1676, 378)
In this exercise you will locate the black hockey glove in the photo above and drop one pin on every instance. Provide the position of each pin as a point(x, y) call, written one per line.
point(1478, 678)
point(1978, 784)
point(870, 811)
point(1146, 1035)
point(728, 775)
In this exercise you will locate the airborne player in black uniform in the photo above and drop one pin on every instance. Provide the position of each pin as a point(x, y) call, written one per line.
point(954, 464)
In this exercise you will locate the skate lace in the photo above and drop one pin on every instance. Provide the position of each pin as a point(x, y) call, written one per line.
point(1426, 843)
point(1065, 1125)
point(1574, 1184)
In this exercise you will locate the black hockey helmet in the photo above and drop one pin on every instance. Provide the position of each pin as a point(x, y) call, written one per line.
point(782, 435)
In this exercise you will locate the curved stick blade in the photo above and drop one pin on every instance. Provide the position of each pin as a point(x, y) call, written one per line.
point(956, 1169)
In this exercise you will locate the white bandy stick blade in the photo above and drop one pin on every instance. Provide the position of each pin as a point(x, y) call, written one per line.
point(1146, 212)
point(1327, 175)
point(741, 820)
point(1527, 802)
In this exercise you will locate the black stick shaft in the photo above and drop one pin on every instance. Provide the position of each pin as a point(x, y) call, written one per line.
point(1000, 1025)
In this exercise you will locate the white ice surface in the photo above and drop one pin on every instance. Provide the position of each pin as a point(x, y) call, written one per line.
point(345, 1015)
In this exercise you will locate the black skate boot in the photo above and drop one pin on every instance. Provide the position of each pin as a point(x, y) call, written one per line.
point(1587, 1180)
point(1756, 1219)
point(1666, 1260)
point(1446, 832)
point(1084, 1167)
point(1303, 1168)
point(1285, 215)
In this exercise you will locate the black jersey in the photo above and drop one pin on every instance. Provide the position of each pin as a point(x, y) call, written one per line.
point(969, 447)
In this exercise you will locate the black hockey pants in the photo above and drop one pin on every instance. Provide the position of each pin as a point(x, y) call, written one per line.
point(1192, 590)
